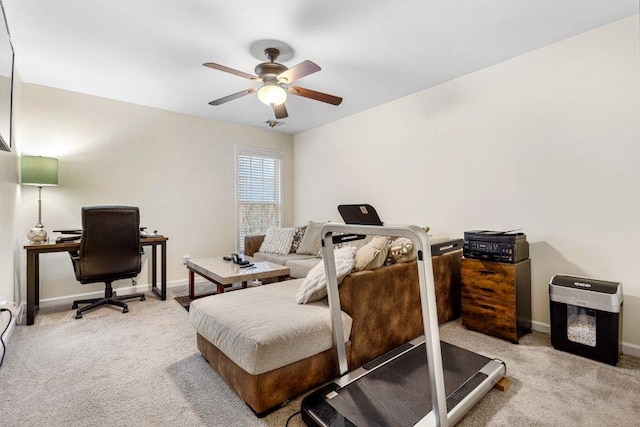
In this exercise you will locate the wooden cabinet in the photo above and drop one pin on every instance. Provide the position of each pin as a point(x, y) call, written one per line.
point(496, 297)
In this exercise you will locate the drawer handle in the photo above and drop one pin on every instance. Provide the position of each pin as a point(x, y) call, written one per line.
point(487, 272)
point(488, 290)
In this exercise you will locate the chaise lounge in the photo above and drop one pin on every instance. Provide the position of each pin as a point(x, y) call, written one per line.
point(270, 349)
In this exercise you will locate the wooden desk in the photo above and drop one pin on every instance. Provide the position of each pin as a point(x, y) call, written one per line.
point(33, 268)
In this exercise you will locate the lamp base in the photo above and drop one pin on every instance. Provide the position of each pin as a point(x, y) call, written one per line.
point(37, 235)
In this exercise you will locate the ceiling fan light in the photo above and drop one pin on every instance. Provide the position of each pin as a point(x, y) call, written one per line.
point(272, 94)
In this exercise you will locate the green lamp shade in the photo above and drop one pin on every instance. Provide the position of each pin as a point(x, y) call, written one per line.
point(40, 171)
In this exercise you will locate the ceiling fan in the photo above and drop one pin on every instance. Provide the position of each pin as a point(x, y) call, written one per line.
point(275, 79)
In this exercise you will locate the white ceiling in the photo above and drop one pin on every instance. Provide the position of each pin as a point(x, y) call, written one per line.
point(150, 52)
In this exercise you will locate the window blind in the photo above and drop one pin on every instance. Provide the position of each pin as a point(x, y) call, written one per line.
point(258, 192)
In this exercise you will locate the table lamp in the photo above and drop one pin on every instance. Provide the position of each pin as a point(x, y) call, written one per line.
point(41, 172)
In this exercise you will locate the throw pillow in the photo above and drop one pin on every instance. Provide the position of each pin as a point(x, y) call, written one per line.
point(401, 250)
point(310, 243)
point(297, 238)
point(373, 254)
point(360, 243)
point(277, 241)
point(314, 286)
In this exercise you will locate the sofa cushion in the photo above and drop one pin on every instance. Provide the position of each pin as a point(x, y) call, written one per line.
point(279, 259)
point(277, 334)
point(372, 255)
point(299, 268)
point(310, 243)
point(314, 286)
point(278, 240)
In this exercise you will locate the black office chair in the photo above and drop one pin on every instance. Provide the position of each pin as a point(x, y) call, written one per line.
point(109, 250)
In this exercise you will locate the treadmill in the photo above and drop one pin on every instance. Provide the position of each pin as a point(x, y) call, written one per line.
point(424, 382)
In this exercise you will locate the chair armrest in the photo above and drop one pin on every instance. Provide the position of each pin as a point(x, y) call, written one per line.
point(252, 243)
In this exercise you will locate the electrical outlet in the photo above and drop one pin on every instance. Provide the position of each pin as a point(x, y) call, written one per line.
point(9, 305)
point(185, 258)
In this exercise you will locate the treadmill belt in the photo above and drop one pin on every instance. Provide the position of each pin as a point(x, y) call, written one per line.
point(398, 393)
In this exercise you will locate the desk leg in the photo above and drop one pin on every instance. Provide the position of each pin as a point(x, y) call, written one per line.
point(163, 272)
point(162, 291)
point(192, 281)
point(154, 267)
point(32, 286)
point(37, 282)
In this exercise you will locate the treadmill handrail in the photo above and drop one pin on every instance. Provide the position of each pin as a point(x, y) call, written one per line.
point(427, 299)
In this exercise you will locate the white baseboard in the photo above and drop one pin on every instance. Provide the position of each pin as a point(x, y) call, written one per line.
point(627, 347)
point(544, 328)
point(68, 299)
point(48, 302)
point(630, 349)
point(12, 323)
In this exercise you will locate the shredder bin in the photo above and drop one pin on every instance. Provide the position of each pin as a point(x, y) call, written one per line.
point(586, 317)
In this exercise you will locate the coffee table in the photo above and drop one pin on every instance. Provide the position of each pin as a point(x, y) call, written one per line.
point(226, 273)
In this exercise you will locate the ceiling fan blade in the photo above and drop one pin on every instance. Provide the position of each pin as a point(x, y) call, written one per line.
point(234, 96)
point(280, 111)
point(297, 72)
point(230, 70)
point(318, 96)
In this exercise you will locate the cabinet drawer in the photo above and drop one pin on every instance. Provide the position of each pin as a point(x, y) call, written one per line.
point(484, 314)
point(489, 279)
point(497, 271)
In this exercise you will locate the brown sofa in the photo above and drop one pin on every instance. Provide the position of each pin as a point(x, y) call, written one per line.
point(384, 305)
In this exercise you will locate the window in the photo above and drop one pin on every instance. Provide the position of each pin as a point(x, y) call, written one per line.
point(258, 193)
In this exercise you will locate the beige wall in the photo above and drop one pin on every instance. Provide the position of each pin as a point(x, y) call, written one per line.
point(8, 241)
point(548, 142)
point(9, 196)
point(179, 169)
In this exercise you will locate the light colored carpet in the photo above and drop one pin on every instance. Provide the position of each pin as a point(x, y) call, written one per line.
point(143, 369)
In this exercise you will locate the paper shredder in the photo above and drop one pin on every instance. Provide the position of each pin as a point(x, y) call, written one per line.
point(586, 317)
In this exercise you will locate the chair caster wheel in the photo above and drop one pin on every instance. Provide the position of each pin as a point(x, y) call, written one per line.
point(74, 306)
point(78, 315)
point(142, 298)
point(125, 310)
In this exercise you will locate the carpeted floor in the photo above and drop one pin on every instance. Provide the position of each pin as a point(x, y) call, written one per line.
point(143, 369)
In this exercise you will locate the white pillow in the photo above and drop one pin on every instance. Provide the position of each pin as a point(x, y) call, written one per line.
point(278, 241)
point(373, 254)
point(314, 286)
point(310, 243)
